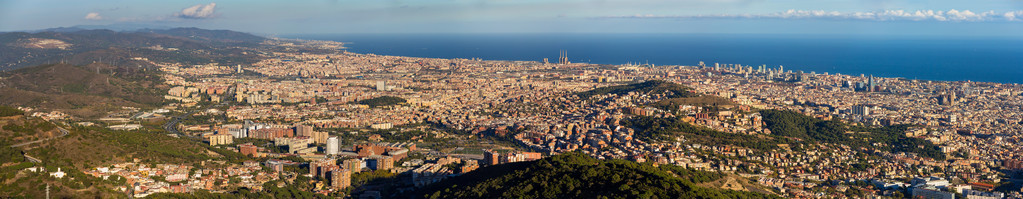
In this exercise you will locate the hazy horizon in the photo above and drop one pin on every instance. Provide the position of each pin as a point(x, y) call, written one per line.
point(1001, 18)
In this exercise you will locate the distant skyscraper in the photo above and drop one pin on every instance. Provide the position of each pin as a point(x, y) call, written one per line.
point(333, 145)
point(381, 85)
point(304, 130)
point(861, 110)
point(870, 83)
point(355, 165)
point(490, 157)
point(781, 69)
point(341, 178)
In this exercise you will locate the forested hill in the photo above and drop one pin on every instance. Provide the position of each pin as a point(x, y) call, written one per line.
point(809, 129)
point(80, 90)
point(576, 175)
point(80, 47)
point(216, 36)
point(89, 72)
point(669, 89)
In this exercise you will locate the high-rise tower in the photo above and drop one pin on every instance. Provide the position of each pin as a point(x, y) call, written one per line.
point(870, 83)
point(333, 145)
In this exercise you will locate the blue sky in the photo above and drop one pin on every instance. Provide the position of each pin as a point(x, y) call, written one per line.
point(980, 18)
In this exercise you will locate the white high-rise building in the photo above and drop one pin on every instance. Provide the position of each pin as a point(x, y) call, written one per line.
point(381, 85)
point(333, 145)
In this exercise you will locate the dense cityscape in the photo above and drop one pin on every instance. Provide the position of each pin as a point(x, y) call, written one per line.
point(340, 120)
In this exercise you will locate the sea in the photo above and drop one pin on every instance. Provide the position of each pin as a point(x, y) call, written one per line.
point(915, 57)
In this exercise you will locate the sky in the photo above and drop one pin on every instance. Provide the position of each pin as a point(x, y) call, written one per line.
point(974, 18)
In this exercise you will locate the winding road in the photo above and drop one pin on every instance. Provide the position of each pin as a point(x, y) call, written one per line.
point(63, 132)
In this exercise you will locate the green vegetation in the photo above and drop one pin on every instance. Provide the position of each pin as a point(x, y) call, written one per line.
point(6, 111)
point(806, 128)
point(713, 103)
point(87, 147)
point(799, 126)
point(9, 154)
point(406, 135)
point(382, 101)
point(29, 126)
point(576, 175)
point(786, 127)
point(196, 47)
point(668, 128)
point(296, 189)
point(362, 178)
point(669, 89)
point(673, 95)
point(80, 90)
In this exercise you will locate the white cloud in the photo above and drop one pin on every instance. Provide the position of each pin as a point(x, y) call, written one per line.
point(1013, 16)
point(93, 16)
point(199, 11)
point(885, 15)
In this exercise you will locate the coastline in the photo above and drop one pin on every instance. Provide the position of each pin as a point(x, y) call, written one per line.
point(847, 64)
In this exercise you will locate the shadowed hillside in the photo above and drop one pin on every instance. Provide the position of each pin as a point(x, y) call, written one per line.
point(576, 175)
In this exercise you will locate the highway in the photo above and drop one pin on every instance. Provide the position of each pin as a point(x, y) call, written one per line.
point(170, 125)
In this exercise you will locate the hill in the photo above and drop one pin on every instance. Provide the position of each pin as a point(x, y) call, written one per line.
point(888, 138)
point(787, 127)
point(20, 129)
point(7, 111)
point(382, 101)
point(84, 148)
point(652, 129)
point(576, 175)
point(80, 90)
point(217, 36)
point(652, 87)
point(84, 46)
point(120, 27)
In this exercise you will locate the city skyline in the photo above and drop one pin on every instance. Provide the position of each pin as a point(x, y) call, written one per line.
point(876, 17)
point(465, 99)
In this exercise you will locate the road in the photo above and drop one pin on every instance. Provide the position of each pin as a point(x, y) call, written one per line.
point(63, 132)
point(32, 159)
point(170, 125)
